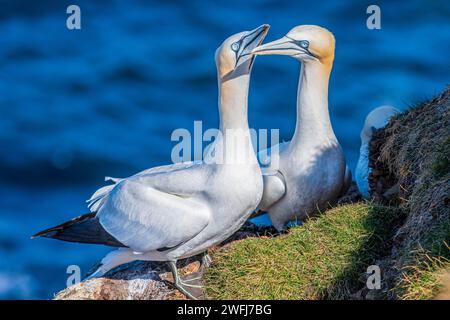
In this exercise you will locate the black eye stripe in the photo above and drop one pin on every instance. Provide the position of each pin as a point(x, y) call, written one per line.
point(301, 43)
point(304, 44)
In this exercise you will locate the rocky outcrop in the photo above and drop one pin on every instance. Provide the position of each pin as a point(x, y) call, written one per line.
point(141, 280)
point(135, 281)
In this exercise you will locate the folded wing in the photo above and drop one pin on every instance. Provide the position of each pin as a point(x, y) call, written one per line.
point(274, 182)
point(159, 209)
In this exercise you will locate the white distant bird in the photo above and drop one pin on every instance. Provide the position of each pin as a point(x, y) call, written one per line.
point(311, 171)
point(172, 212)
point(376, 119)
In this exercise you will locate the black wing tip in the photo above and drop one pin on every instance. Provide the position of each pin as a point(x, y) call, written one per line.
point(49, 233)
point(82, 229)
point(52, 232)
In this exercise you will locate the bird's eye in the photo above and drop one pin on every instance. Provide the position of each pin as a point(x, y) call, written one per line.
point(235, 46)
point(304, 44)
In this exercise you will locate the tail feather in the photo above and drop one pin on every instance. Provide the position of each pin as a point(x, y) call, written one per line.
point(83, 229)
point(113, 260)
point(97, 199)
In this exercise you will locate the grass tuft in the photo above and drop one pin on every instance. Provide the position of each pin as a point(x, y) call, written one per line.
point(422, 277)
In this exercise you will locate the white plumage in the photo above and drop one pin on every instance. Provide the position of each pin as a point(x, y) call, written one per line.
point(376, 119)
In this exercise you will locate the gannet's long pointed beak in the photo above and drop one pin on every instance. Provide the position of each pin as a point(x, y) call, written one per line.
point(251, 40)
point(283, 46)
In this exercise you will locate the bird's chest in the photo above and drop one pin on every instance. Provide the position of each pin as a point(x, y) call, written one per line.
point(313, 174)
point(243, 189)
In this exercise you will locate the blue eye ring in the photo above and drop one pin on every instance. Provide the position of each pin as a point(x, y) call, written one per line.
point(304, 44)
point(235, 46)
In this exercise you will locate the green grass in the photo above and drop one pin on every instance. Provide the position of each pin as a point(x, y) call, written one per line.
point(326, 258)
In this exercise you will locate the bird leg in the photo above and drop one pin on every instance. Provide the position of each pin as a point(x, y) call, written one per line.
point(192, 291)
point(206, 260)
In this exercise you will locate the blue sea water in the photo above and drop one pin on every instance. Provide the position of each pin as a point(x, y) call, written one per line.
point(103, 101)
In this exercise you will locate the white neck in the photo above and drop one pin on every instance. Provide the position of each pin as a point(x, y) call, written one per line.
point(233, 103)
point(236, 145)
point(313, 120)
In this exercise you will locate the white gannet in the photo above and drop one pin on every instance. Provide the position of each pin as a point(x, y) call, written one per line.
point(311, 170)
point(376, 119)
point(176, 211)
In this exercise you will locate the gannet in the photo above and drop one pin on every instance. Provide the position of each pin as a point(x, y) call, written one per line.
point(311, 171)
point(176, 211)
point(376, 119)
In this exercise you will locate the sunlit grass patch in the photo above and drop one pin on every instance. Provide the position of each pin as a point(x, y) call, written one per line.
point(326, 257)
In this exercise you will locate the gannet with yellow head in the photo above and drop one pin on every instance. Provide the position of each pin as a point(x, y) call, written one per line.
point(376, 119)
point(311, 172)
point(176, 211)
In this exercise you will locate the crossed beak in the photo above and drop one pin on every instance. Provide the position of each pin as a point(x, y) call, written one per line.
point(252, 40)
point(282, 46)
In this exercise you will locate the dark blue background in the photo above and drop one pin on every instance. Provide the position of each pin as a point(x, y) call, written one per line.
point(79, 105)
